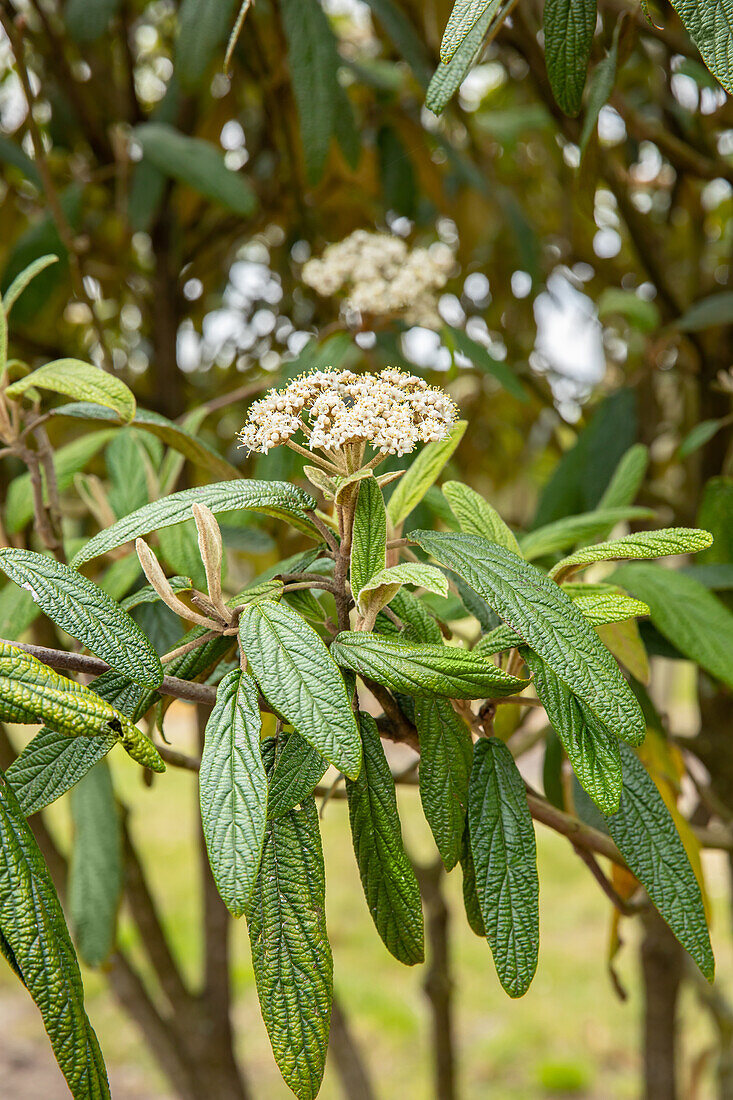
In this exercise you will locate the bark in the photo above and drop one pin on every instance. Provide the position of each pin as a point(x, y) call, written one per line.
point(662, 963)
point(438, 983)
point(350, 1065)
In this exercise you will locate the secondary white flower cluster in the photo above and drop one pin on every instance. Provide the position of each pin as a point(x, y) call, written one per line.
point(381, 275)
point(392, 411)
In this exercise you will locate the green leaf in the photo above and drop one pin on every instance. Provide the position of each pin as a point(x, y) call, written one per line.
point(415, 615)
point(470, 896)
point(548, 621)
point(568, 27)
point(95, 868)
point(52, 763)
point(463, 18)
point(592, 750)
point(390, 887)
point(21, 281)
point(600, 87)
point(602, 608)
point(404, 36)
point(701, 434)
point(298, 770)
point(33, 928)
point(626, 479)
point(197, 164)
point(82, 381)
point(313, 64)
point(716, 309)
point(638, 312)
point(147, 593)
point(300, 680)
point(274, 498)
point(457, 339)
point(31, 692)
point(368, 546)
point(446, 752)
point(291, 955)
point(68, 461)
point(448, 78)
point(695, 621)
point(566, 532)
point(477, 517)
point(647, 838)
point(716, 516)
point(129, 469)
point(202, 28)
point(710, 25)
point(17, 611)
point(505, 861)
point(233, 790)
point(423, 669)
point(12, 153)
point(173, 435)
point(179, 548)
point(642, 544)
point(85, 612)
point(384, 585)
point(87, 20)
point(583, 473)
point(423, 473)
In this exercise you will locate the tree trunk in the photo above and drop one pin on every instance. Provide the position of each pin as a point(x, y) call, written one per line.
point(438, 983)
point(662, 962)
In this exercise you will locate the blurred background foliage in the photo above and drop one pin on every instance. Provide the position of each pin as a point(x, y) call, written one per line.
point(589, 306)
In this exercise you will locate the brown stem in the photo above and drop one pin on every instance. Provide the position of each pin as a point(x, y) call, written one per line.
point(350, 1065)
point(662, 961)
point(438, 983)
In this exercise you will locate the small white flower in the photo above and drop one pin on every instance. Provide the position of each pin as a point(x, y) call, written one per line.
point(380, 275)
point(393, 411)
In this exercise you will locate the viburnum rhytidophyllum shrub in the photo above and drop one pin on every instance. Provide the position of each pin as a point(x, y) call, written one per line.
point(330, 653)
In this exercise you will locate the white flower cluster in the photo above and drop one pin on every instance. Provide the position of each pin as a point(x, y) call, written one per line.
point(381, 275)
point(392, 411)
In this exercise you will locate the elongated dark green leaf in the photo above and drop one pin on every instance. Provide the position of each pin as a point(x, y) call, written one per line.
point(53, 762)
point(505, 861)
point(642, 544)
point(196, 163)
point(83, 610)
point(548, 621)
point(30, 692)
point(423, 473)
point(592, 750)
point(470, 895)
point(569, 27)
point(233, 790)
point(463, 18)
point(446, 751)
point(626, 479)
point(313, 63)
point(414, 614)
point(202, 27)
point(404, 36)
point(17, 611)
point(570, 530)
point(33, 926)
point(447, 78)
point(81, 380)
point(95, 868)
point(26, 277)
point(298, 770)
point(477, 517)
point(687, 614)
point(291, 955)
point(600, 87)
point(423, 669)
point(457, 339)
point(275, 498)
point(368, 547)
point(12, 153)
point(300, 680)
point(717, 309)
point(390, 886)
point(647, 838)
point(68, 461)
point(716, 516)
